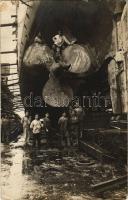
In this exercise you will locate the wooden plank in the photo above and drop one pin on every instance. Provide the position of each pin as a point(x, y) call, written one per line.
point(91, 150)
point(7, 64)
point(14, 24)
point(7, 52)
point(14, 79)
point(8, 74)
point(17, 83)
point(110, 184)
point(95, 152)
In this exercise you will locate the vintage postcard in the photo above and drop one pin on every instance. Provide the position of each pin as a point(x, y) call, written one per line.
point(64, 99)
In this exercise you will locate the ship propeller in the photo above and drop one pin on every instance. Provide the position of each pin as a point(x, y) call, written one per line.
point(75, 59)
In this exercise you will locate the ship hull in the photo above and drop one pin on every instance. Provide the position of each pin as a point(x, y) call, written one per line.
point(88, 25)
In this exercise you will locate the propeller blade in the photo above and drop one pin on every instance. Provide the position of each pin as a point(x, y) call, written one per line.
point(57, 94)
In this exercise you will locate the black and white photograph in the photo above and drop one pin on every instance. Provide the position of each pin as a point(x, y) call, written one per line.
point(64, 99)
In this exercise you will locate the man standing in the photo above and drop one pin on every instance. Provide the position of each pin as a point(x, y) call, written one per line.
point(47, 128)
point(80, 114)
point(5, 128)
point(30, 131)
point(26, 124)
point(2, 128)
point(63, 127)
point(73, 128)
point(36, 130)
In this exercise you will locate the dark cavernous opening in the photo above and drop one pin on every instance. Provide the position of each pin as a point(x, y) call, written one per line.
point(89, 22)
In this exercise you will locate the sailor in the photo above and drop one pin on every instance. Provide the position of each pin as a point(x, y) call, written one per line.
point(42, 129)
point(73, 128)
point(36, 130)
point(29, 130)
point(5, 129)
point(47, 128)
point(26, 124)
point(80, 114)
point(2, 128)
point(63, 127)
point(70, 110)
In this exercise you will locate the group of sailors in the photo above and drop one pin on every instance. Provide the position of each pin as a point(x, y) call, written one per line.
point(70, 127)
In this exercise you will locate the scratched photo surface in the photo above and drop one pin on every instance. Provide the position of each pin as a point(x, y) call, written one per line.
point(64, 67)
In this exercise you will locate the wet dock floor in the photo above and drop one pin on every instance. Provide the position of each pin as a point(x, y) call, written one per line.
point(52, 174)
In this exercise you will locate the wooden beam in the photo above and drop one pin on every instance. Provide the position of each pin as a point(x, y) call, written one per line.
point(7, 64)
point(110, 184)
point(13, 84)
point(15, 90)
point(15, 95)
point(8, 74)
point(14, 79)
point(95, 151)
point(17, 108)
point(18, 95)
point(14, 24)
point(18, 102)
point(23, 1)
point(7, 52)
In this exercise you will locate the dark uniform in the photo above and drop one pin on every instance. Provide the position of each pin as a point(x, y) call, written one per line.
point(5, 129)
point(47, 129)
point(80, 114)
point(26, 126)
point(63, 127)
point(74, 129)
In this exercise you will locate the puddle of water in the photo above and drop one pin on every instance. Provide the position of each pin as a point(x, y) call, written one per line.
point(43, 175)
point(14, 184)
point(15, 180)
